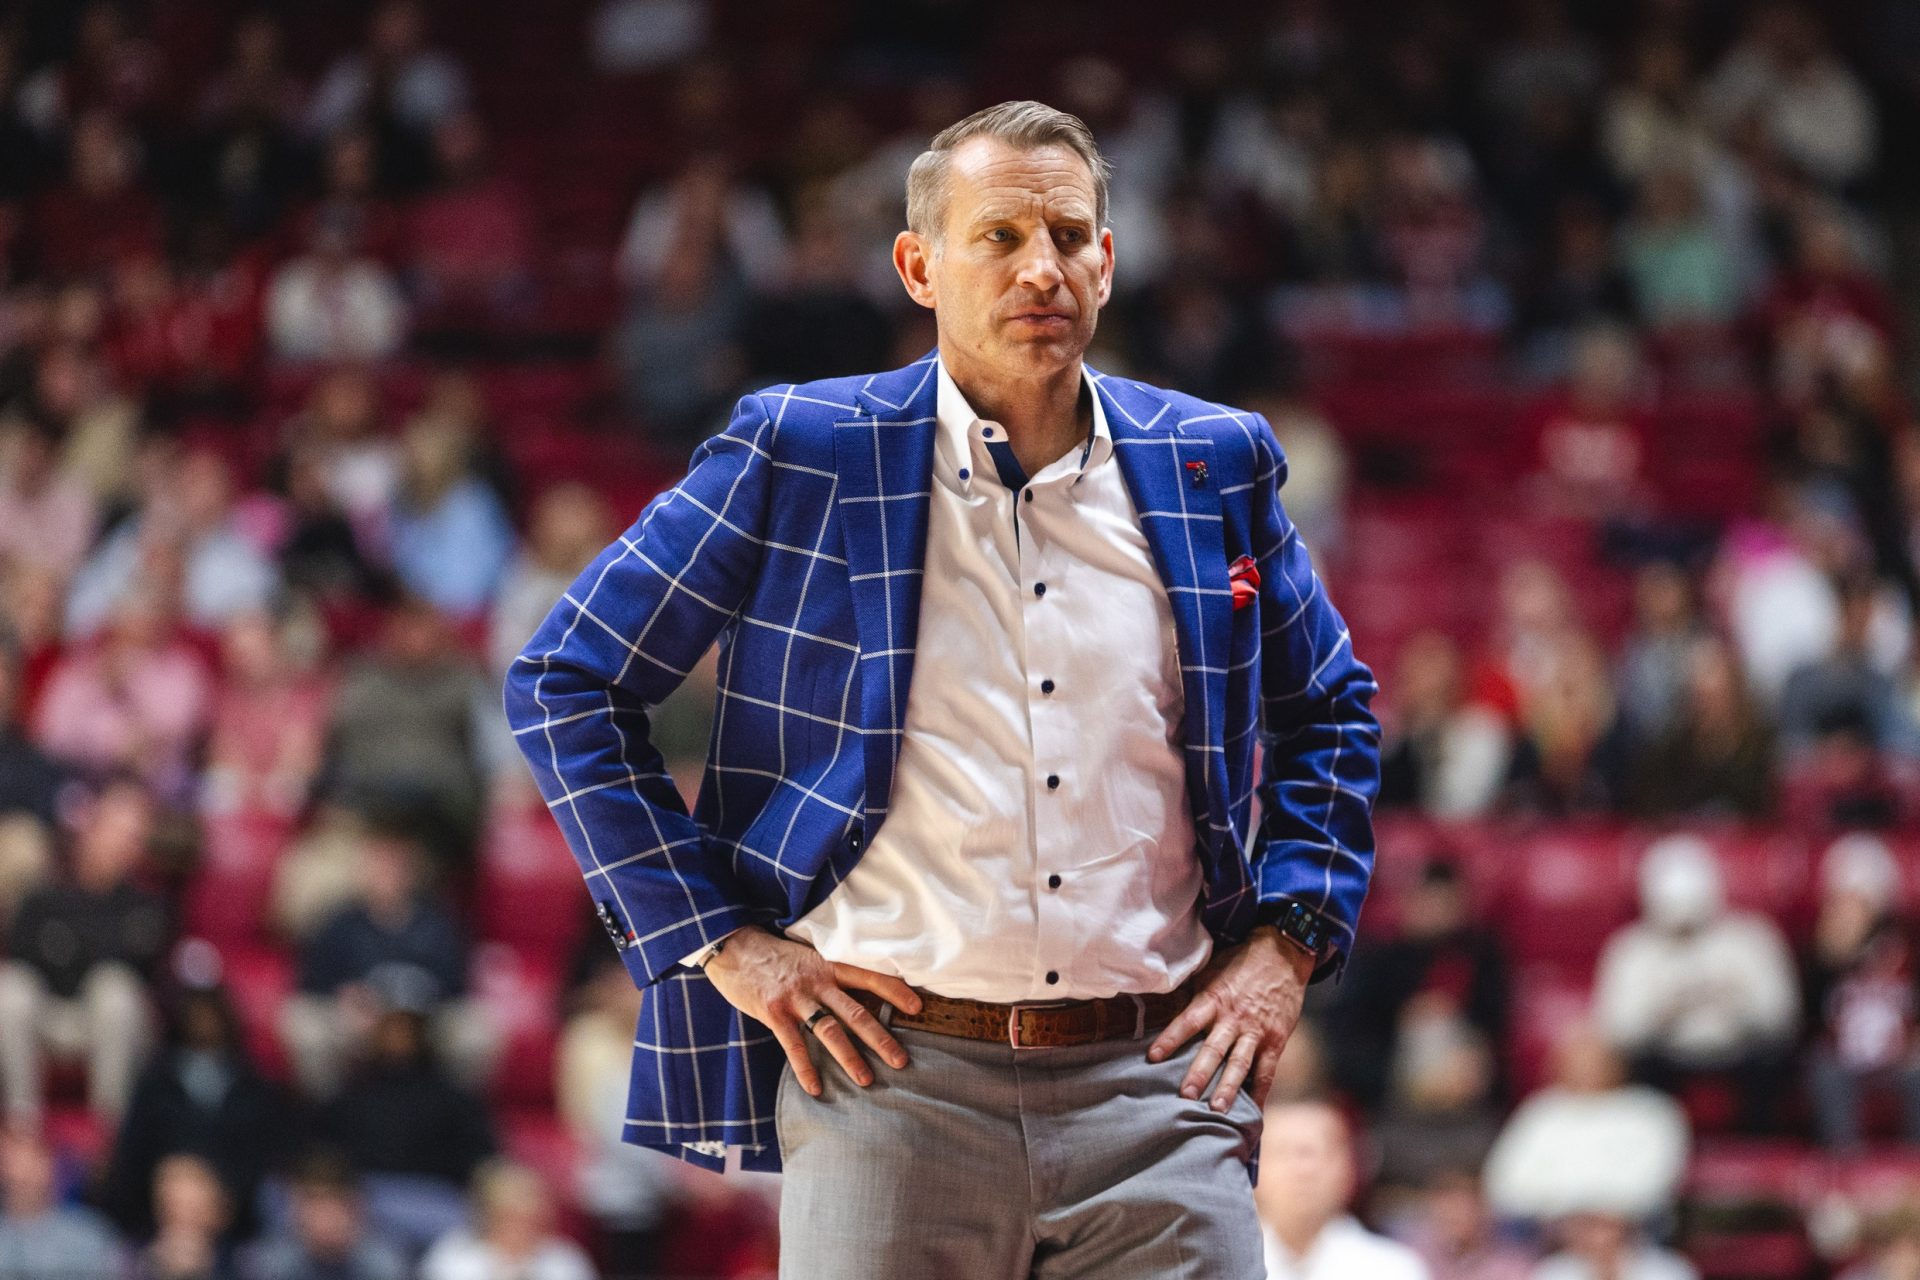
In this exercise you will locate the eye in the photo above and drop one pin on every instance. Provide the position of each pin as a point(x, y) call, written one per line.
point(1001, 235)
point(1073, 235)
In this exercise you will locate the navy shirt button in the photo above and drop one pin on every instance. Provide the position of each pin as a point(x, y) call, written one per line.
point(1046, 686)
point(1053, 882)
point(1052, 977)
point(1053, 781)
point(1039, 588)
point(1029, 495)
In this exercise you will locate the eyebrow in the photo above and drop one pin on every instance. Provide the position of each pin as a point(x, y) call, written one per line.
point(1008, 213)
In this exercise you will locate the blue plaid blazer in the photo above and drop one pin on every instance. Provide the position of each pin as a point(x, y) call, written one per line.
point(797, 539)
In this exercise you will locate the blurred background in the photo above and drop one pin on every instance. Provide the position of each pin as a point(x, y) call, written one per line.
point(335, 338)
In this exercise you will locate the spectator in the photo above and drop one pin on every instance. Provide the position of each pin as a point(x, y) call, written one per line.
point(82, 952)
point(187, 514)
point(1598, 1247)
point(1846, 686)
point(451, 535)
point(1657, 658)
point(30, 784)
point(269, 721)
point(1307, 1179)
point(1693, 989)
point(343, 430)
point(321, 556)
point(706, 208)
point(1824, 313)
point(1588, 1142)
point(246, 150)
point(200, 1095)
point(1592, 439)
point(472, 244)
point(39, 1237)
point(191, 1214)
point(1895, 1251)
point(1447, 755)
point(1454, 1234)
point(328, 1237)
point(512, 1234)
point(1860, 989)
point(1442, 974)
point(72, 385)
point(416, 1135)
point(350, 196)
point(1571, 757)
point(403, 733)
point(1716, 760)
point(136, 700)
point(1578, 285)
point(393, 924)
point(817, 323)
point(1684, 274)
point(47, 514)
point(103, 211)
point(1439, 1115)
point(397, 88)
point(1654, 117)
point(1782, 73)
point(109, 68)
point(566, 529)
point(334, 303)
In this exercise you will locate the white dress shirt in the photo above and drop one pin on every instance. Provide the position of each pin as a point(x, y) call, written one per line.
point(1344, 1250)
point(1038, 843)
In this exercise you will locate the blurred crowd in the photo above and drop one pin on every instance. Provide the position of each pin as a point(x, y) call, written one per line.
point(332, 342)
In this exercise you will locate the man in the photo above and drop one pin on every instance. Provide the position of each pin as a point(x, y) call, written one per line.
point(1307, 1153)
point(327, 1237)
point(84, 951)
point(39, 1236)
point(996, 634)
point(1696, 990)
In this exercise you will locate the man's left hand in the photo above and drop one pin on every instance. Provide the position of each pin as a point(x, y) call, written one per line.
point(1249, 1002)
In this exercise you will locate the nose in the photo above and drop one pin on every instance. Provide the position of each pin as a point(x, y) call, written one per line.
point(1040, 266)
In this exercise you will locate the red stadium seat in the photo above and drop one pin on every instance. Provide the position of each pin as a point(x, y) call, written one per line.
point(261, 981)
point(1572, 887)
point(522, 999)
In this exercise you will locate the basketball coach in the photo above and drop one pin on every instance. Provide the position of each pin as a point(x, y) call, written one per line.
point(967, 930)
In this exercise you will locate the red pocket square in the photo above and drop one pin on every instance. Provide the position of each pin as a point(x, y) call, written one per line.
point(1244, 578)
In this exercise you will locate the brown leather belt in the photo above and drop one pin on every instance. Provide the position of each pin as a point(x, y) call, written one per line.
point(1048, 1024)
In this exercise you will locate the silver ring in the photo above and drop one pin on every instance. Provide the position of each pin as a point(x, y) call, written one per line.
point(816, 1015)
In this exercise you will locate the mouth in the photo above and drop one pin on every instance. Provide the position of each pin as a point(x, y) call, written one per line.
point(1043, 318)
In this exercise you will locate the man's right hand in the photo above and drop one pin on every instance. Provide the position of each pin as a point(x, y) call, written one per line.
point(783, 983)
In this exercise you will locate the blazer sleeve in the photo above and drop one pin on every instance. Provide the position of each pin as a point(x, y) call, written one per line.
point(619, 641)
point(1320, 742)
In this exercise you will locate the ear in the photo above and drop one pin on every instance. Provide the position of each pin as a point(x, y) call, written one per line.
point(1106, 264)
point(913, 259)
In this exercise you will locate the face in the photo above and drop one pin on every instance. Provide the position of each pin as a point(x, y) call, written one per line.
point(1018, 273)
point(1306, 1163)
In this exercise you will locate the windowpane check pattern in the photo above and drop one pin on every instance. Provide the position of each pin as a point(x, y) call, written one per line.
point(797, 540)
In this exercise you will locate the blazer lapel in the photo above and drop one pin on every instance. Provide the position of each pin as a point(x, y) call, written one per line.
point(884, 460)
point(1174, 484)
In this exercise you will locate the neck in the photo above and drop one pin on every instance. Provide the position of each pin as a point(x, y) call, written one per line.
point(1043, 417)
point(1298, 1234)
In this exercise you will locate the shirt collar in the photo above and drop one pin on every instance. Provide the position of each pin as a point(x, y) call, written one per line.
point(960, 442)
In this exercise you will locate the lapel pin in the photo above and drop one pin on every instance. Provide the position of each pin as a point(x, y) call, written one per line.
point(1198, 470)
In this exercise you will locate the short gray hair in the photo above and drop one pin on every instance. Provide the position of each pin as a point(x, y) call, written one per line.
point(1024, 125)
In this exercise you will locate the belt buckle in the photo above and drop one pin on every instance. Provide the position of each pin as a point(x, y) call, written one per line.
point(1013, 1021)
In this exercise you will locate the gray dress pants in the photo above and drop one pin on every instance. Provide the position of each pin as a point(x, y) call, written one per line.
point(984, 1162)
